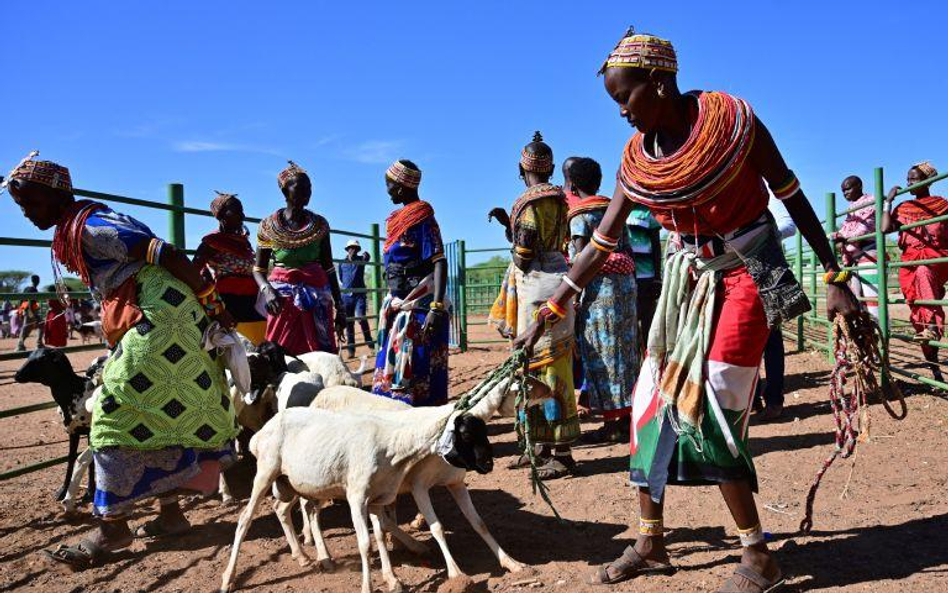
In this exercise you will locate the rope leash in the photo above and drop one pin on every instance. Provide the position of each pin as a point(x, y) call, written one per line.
point(856, 350)
point(518, 361)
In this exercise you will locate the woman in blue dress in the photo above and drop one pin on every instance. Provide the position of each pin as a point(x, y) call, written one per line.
point(606, 321)
point(412, 363)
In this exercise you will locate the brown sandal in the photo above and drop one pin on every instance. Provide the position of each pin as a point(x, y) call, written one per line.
point(629, 565)
point(748, 580)
point(83, 555)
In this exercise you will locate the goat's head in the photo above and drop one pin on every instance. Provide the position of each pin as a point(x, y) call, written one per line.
point(266, 366)
point(51, 367)
point(47, 366)
point(470, 449)
point(537, 393)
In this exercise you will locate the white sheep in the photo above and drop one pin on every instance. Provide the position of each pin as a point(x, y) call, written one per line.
point(322, 455)
point(432, 471)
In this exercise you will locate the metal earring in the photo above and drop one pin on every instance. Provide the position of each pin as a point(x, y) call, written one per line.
point(661, 92)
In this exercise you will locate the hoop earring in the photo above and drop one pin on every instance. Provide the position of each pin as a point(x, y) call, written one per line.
point(660, 91)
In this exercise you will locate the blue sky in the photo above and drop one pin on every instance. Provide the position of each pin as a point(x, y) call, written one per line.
point(217, 95)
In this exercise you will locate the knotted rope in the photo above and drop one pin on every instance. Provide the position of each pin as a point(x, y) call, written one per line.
point(856, 341)
point(518, 361)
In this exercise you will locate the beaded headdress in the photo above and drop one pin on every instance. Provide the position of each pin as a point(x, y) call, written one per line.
point(402, 175)
point(218, 203)
point(43, 172)
point(926, 169)
point(642, 51)
point(290, 173)
point(540, 159)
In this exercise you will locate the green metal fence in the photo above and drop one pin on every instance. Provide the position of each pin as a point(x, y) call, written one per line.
point(176, 209)
point(813, 330)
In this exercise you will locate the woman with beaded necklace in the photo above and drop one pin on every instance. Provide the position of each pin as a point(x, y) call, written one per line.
point(412, 363)
point(699, 162)
point(226, 257)
point(301, 294)
point(538, 229)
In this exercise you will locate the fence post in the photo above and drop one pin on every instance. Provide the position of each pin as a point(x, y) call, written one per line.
point(176, 217)
point(462, 294)
point(830, 229)
point(377, 268)
point(882, 262)
point(799, 269)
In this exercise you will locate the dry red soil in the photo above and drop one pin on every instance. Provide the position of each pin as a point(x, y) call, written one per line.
point(888, 534)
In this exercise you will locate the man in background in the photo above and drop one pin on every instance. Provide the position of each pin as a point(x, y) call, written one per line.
point(352, 276)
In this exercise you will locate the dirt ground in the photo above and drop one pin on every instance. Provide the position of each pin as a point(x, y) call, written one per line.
point(887, 535)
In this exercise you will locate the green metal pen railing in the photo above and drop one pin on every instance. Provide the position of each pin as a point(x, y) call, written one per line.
point(898, 335)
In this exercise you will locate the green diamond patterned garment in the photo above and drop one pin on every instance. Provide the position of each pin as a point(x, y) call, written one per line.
point(161, 388)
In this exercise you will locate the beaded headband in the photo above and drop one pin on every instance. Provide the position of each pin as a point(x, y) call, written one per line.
point(218, 203)
point(926, 169)
point(536, 162)
point(402, 175)
point(45, 173)
point(642, 51)
point(291, 172)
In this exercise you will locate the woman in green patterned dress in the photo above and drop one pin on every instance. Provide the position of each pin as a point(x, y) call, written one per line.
point(163, 423)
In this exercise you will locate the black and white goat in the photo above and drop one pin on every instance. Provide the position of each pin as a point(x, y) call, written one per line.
point(70, 391)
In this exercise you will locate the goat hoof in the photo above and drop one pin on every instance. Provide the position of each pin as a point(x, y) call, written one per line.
point(228, 501)
point(327, 565)
point(395, 587)
point(61, 494)
point(308, 541)
point(304, 561)
point(514, 566)
point(419, 523)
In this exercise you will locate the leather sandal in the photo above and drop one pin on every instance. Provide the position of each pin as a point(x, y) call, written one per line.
point(748, 580)
point(629, 565)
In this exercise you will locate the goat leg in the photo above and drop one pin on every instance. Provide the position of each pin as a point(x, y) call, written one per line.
point(423, 500)
point(89, 496)
point(70, 464)
point(394, 586)
point(283, 512)
point(463, 499)
point(82, 464)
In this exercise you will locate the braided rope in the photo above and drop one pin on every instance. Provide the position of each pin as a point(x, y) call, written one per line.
point(856, 343)
point(517, 361)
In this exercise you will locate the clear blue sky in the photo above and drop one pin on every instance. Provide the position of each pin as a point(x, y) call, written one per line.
point(217, 95)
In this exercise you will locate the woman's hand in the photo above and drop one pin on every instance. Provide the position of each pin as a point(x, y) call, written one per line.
point(225, 319)
point(840, 300)
point(271, 300)
point(432, 326)
point(500, 214)
point(892, 194)
point(528, 339)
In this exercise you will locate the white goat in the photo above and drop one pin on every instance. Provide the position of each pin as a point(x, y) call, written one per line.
point(330, 366)
point(323, 455)
point(432, 471)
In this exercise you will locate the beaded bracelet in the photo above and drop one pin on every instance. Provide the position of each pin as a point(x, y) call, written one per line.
point(210, 300)
point(555, 308)
point(153, 252)
point(840, 277)
point(436, 306)
point(604, 243)
point(751, 537)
